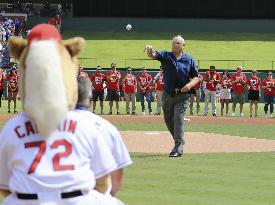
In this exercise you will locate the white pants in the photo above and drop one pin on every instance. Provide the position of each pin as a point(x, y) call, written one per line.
point(130, 97)
point(92, 198)
point(198, 98)
point(210, 95)
point(159, 101)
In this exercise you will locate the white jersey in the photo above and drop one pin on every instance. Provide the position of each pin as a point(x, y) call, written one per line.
point(112, 137)
point(72, 158)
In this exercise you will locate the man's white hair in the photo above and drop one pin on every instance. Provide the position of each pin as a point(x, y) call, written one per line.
point(179, 37)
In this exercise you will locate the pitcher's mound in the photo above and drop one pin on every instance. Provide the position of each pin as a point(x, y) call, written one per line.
point(195, 142)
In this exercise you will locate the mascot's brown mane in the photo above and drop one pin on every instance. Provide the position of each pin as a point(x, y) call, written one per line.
point(47, 75)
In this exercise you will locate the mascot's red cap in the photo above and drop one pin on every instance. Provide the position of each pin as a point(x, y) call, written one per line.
point(44, 32)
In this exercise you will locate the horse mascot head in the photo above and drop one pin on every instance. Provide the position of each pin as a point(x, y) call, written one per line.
point(47, 75)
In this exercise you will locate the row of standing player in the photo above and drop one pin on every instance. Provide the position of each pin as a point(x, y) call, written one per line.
point(12, 87)
point(233, 88)
point(129, 86)
point(230, 88)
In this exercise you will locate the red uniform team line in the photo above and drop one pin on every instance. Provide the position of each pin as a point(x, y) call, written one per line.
point(217, 88)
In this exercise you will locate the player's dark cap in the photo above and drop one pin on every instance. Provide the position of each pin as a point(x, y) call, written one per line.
point(98, 68)
point(129, 69)
point(212, 67)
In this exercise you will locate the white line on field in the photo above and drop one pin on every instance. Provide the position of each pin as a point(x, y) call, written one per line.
point(152, 133)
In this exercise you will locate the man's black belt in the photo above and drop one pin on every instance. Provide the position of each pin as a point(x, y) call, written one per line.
point(65, 195)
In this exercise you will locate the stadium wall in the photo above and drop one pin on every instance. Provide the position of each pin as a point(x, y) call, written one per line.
point(162, 25)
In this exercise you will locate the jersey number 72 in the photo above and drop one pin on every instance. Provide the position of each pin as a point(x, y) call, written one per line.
point(56, 158)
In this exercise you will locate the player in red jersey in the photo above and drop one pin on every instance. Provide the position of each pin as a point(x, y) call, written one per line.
point(130, 88)
point(98, 79)
point(144, 80)
point(196, 96)
point(269, 93)
point(113, 78)
point(225, 92)
point(253, 85)
point(238, 81)
point(12, 79)
point(158, 79)
point(81, 72)
point(212, 78)
point(2, 85)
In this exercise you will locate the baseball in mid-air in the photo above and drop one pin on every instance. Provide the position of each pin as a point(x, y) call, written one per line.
point(129, 27)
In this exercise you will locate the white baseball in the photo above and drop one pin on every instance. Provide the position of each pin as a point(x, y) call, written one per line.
point(129, 27)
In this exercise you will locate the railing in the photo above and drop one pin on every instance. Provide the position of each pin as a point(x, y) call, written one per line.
point(140, 62)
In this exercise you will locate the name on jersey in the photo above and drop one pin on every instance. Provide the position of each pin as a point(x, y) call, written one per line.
point(29, 128)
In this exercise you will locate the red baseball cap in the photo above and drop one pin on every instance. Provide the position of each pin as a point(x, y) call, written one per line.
point(44, 32)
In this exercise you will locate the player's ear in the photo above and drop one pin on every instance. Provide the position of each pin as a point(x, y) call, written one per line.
point(16, 46)
point(74, 45)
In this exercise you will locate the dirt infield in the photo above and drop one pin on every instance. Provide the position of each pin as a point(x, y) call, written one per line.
point(197, 142)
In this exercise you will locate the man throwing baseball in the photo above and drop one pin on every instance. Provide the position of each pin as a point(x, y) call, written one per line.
point(178, 69)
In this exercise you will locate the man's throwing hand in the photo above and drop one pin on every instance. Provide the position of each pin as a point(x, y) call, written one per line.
point(148, 48)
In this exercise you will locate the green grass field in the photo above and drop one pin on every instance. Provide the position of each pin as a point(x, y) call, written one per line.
point(200, 179)
point(256, 49)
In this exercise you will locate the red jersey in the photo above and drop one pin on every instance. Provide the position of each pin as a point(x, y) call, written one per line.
point(253, 83)
point(113, 80)
point(160, 82)
point(98, 80)
point(58, 20)
point(144, 81)
point(82, 73)
point(54, 21)
point(130, 83)
point(154, 86)
point(269, 89)
point(12, 82)
point(2, 78)
point(212, 79)
point(226, 83)
point(198, 85)
point(238, 86)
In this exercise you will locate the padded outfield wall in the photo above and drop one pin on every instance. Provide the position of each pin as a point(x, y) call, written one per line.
point(163, 24)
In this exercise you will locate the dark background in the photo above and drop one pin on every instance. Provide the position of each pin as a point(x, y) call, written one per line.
point(227, 9)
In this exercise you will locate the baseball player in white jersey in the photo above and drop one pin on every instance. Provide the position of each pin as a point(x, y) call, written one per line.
point(109, 133)
point(60, 169)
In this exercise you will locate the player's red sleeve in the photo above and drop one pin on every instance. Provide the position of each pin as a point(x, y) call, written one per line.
point(206, 76)
point(150, 77)
point(123, 87)
point(233, 78)
point(138, 79)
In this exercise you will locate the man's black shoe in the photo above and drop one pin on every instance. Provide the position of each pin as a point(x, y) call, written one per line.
point(174, 154)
